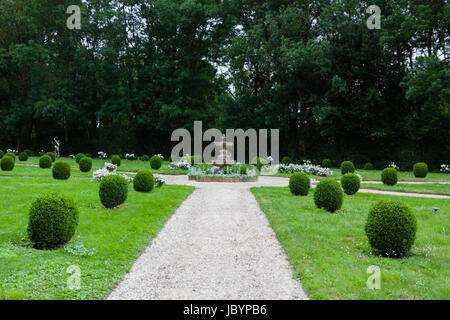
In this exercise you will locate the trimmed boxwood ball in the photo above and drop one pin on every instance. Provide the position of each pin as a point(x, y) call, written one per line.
point(350, 183)
point(389, 176)
point(79, 156)
point(329, 195)
point(45, 162)
point(368, 166)
point(420, 170)
point(28, 152)
point(115, 159)
point(155, 162)
point(327, 163)
point(286, 161)
point(113, 191)
point(53, 220)
point(144, 181)
point(23, 156)
point(391, 228)
point(12, 155)
point(51, 155)
point(61, 170)
point(7, 163)
point(347, 167)
point(299, 184)
point(85, 164)
point(145, 158)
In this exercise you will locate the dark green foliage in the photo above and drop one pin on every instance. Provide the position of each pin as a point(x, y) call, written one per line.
point(61, 170)
point(420, 170)
point(7, 163)
point(299, 184)
point(12, 155)
point(79, 156)
point(113, 191)
point(51, 155)
point(327, 163)
point(23, 156)
point(347, 167)
point(29, 152)
point(350, 183)
point(115, 159)
point(45, 162)
point(2, 153)
point(389, 176)
point(53, 221)
point(368, 166)
point(329, 195)
point(144, 181)
point(391, 228)
point(155, 163)
point(286, 161)
point(145, 158)
point(85, 164)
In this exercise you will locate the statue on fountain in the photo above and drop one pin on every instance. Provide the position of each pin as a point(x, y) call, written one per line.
point(224, 155)
point(56, 143)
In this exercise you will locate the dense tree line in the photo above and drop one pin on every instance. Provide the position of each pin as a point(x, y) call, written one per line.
point(137, 70)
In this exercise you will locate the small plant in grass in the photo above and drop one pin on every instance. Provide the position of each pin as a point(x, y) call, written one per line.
point(391, 228)
point(299, 184)
point(329, 195)
point(61, 170)
point(155, 162)
point(144, 181)
point(159, 181)
point(351, 183)
point(12, 155)
point(79, 156)
point(286, 161)
point(389, 176)
point(85, 164)
point(115, 159)
point(145, 158)
point(52, 156)
point(113, 191)
point(347, 167)
point(420, 170)
point(53, 220)
point(327, 163)
point(445, 168)
point(7, 163)
point(23, 156)
point(45, 162)
point(368, 166)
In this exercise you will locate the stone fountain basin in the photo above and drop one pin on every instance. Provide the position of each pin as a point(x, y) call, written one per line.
point(223, 179)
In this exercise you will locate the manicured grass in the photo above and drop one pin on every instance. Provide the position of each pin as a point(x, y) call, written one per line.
point(330, 253)
point(119, 236)
point(443, 189)
point(28, 171)
point(126, 165)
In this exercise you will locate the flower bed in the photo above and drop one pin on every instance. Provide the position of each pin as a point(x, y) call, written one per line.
point(307, 167)
point(235, 173)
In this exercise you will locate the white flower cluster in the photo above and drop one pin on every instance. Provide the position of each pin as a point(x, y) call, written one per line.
point(445, 168)
point(130, 156)
point(72, 156)
point(108, 170)
point(12, 151)
point(184, 165)
point(161, 156)
point(102, 155)
point(393, 165)
point(159, 181)
point(306, 167)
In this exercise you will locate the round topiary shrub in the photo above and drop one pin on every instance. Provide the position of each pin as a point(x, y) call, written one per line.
point(155, 162)
point(145, 158)
point(286, 161)
point(368, 166)
point(79, 156)
point(28, 152)
point(350, 183)
point(53, 220)
point(45, 162)
point(61, 170)
point(299, 184)
point(113, 191)
point(327, 163)
point(420, 170)
point(389, 176)
point(51, 155)
point(7, 163)
point(347, 167)
point(329, 195)
point(2, 153)
point(391, 228)
point(12, 155)
point(85, 164)
point(23, 156)
point(116, 160)
point(144, 181)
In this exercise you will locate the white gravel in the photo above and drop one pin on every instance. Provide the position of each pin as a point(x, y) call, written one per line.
point(217, 245)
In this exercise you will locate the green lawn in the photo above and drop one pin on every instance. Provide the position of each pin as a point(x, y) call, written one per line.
point(330, 253)
point(443, 189)
point(126, 165)
point(119, 236)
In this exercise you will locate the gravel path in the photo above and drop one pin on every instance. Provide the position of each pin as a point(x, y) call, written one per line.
point(217, 245)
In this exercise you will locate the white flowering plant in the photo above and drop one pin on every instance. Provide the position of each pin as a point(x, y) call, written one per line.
point(130, 156)
point(102, 155)
point(445, 168)
point(160, 156)
point(183, 165)
point(108, 170)
point(393, 165)
point(12, 151)
point(159, 181)
point(307, 167)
